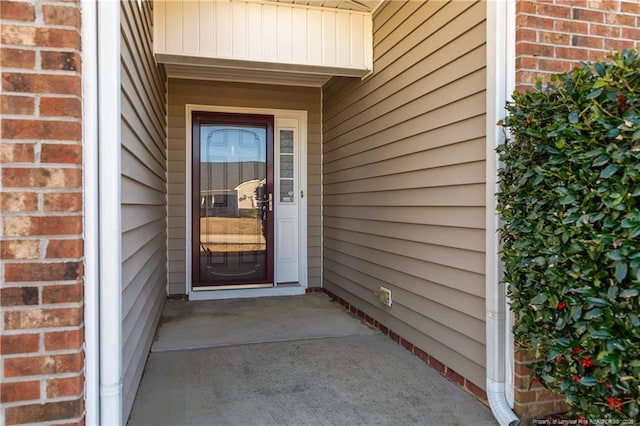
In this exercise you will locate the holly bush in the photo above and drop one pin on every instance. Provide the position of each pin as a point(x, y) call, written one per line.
point(569, 200)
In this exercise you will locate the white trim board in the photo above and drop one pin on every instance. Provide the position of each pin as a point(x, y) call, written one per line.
point(282, 290)
point(109, 226)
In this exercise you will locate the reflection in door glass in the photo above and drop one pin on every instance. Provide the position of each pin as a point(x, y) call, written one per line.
point(233, 204)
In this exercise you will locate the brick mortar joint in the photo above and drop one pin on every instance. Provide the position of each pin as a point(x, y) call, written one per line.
point(32, 95)
point(36, 238)
point(37, 164)
point(43, 377)
point(32, 48)
point(46, 400)
point(590, 25)
point(518, 404)
point(44, 94)
point(42, 307)
point(42, 71)
point(23, 308)
point(48, 118)
point(45, 353)
point(39, 142)
point(563, 46)
point(39, 23)
point(42, 258)
point(41, 213)
point(41, 332)
point(574, 7)
point(41, 190)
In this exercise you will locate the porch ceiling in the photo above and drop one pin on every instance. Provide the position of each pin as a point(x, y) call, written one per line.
point(361, 5)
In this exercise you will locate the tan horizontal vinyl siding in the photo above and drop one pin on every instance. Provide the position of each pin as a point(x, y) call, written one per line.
point(404, 180)
point(143, 200)
point(182, 92)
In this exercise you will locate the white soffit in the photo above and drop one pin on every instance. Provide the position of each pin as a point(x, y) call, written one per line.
point(239, 75)
point(361, 5)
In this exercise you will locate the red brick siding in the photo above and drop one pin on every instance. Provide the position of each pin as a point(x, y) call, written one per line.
point(41, 245)
point(554, 36)
point(531, 399)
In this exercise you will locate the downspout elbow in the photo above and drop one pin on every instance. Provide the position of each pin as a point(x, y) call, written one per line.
point(499, 405)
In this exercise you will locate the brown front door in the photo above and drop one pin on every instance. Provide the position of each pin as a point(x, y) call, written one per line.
point(232, 200)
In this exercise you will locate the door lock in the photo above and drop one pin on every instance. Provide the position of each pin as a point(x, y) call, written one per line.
point(270, 201)
point(301, 194)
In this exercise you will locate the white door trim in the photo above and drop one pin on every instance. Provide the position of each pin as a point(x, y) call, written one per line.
point(282, 290)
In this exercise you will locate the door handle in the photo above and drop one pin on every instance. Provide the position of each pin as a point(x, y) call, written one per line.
point(270, 201)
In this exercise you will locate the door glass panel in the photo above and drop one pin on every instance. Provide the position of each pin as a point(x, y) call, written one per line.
point(233, 204)
point(286, 167)
point(286, 141)
point(286, 191)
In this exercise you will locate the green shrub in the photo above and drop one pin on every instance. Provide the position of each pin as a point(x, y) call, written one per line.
point(569, 200)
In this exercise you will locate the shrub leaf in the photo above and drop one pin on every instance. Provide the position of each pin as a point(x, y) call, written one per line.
point(609, 171)
point(621, 271)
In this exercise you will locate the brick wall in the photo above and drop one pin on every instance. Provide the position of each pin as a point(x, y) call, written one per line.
point(41, 246)
point(554, 36)
point(531, 398)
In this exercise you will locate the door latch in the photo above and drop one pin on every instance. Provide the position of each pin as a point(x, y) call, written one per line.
point(271, 201)
point(301, 194)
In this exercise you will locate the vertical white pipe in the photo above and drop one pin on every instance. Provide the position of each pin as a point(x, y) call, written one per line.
point(497, 75)
point(510, 85)
point(90, 194)
point(111, 410)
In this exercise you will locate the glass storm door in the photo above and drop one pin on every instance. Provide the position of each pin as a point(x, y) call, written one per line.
point(232, 200)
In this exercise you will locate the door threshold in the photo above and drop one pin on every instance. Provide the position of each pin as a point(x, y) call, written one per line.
point(231, 287)
point(243, 293)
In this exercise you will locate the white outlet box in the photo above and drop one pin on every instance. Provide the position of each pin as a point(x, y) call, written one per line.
point(384, 296)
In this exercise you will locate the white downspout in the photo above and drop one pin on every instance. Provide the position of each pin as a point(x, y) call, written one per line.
point(91, 206)
point(111, 410)
point(500, 78)
point(510, 86)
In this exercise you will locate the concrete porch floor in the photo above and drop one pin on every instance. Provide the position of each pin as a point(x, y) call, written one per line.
point(298, 360)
